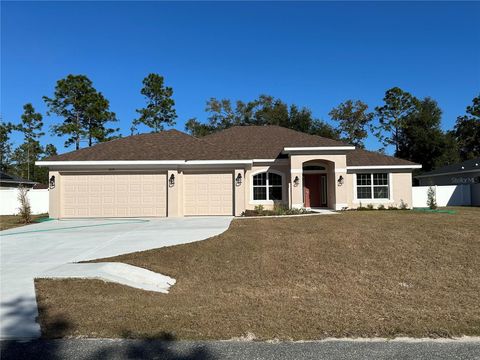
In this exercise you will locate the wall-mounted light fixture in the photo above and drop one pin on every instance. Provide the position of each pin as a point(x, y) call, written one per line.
point(171, 180)
point(296, 181)
point(52, 182)
point(238, 179)
point(340, 180)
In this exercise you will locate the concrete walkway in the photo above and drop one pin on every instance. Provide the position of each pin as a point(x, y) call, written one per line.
point(30, 251)
point(119, 273)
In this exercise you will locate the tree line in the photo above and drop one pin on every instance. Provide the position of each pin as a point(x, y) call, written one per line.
point(410, 124)
point(87, 118)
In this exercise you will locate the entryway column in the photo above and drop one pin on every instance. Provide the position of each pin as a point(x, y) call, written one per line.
point(340, 188)
point(296, 182)
point(239, 191)
point(174, 193)
point(54, 195)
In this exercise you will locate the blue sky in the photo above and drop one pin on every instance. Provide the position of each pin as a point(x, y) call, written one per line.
point(312, 54)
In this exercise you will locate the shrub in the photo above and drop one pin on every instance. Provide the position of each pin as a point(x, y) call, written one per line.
point(381, 207)
point(403, 205)
point(259, 209)
point(360, 207)
point(392, 207)
point(25, 211)
point(370, 207)
point(280, 208)
point(296, 211)
point(431, 198)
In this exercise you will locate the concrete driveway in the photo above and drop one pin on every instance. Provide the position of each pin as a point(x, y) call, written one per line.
point(29, 251)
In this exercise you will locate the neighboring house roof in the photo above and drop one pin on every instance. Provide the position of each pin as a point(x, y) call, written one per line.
point(235, 143)
point(466, 166)
point(12, 180)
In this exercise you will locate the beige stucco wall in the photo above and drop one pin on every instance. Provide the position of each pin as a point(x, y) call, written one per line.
point(54, 196)
point(336, 165)
point(339, 196)
point(400, 186)
point(175, 194)
point(281, 167)
point(239, 192)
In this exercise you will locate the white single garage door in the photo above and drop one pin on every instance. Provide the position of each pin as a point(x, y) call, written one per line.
point(113, 195)
point(208, 194)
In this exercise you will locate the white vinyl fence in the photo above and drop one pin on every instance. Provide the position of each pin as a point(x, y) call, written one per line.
point(9, 201)
point(447, 195)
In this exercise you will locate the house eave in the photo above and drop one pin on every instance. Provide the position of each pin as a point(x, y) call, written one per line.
point(292, 150)
point(384, 167)
point(142, 163)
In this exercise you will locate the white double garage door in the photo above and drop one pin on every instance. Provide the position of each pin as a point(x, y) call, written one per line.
point(144, 195)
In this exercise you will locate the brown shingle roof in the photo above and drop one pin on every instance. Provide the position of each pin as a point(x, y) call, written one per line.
point(266, 142)
point(360, 157)
point(165, 145)
point(235, 143)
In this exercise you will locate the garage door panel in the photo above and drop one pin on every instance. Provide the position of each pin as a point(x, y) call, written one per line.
point(94, 200)
point(97, 211)
point(208, 194)
point(122, 211)
point(112, 195)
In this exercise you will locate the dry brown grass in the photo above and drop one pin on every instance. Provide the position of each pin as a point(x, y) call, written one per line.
point(12, 221)
point(362, 274)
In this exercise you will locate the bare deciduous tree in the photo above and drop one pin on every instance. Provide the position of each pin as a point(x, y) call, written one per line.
point(25, 210)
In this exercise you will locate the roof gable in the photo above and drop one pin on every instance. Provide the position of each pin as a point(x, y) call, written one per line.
point(267, 142)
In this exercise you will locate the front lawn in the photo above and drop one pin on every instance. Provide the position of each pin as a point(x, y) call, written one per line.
point(358, 274)
point(12, 221)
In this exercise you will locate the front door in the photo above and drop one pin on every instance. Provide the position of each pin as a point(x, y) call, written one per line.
point(315, 190)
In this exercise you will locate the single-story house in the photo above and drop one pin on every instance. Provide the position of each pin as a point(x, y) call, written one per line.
point(171, 173)
point(8, 182)
point(467, 172)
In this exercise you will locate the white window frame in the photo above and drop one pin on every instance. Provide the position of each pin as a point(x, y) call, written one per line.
point(267, 201)
point(372, 200)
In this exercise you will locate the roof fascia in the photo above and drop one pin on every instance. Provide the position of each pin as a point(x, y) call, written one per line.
point(163, 163)
point(110, 162)
point(292, 150)
point(384, 167)
point(270, 161)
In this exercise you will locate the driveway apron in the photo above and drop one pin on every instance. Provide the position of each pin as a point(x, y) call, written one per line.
point(29, 251)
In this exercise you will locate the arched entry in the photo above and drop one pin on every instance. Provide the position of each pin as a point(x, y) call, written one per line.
point(315, 185)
